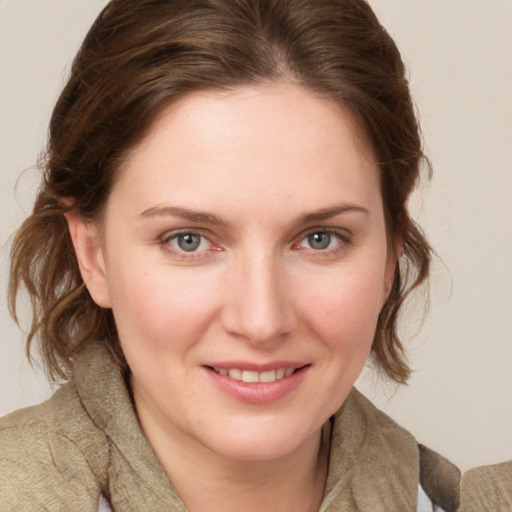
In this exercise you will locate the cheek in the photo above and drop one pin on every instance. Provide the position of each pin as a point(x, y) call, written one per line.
point(344, 309)
point(161, 307)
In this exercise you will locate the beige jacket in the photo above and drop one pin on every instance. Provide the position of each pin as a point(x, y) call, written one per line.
point(86, 441)
point(487, 488)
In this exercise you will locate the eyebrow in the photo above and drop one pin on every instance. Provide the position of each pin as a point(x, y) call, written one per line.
point(328, 213)
point(184, 213)
point(209, 218)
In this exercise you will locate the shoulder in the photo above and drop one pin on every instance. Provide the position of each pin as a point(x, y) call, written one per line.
point(24, 442)
point(487, 488)
point(410, 463)
point(438, 477)
point(41, 464)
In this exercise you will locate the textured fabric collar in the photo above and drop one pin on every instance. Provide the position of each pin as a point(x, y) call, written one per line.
point(134, 478)
point(374, 463)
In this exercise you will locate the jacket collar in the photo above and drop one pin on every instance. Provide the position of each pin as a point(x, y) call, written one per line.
point(374, 462)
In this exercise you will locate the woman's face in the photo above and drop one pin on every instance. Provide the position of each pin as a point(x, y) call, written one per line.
point(244, 256)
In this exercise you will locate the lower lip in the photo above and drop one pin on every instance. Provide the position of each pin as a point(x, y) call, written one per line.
point(258, 392)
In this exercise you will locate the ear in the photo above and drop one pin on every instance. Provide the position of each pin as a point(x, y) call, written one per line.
point(87, 243)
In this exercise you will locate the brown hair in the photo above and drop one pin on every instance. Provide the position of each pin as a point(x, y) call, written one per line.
point(142, 54)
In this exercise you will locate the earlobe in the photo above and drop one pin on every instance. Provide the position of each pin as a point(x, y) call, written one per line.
point(87, 244)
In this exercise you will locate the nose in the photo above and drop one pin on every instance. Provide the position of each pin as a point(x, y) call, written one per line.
point(258, 305)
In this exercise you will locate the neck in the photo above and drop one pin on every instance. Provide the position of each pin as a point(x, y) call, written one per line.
point(208, 482)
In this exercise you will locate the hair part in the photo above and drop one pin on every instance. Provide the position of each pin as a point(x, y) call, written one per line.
point(141, 55)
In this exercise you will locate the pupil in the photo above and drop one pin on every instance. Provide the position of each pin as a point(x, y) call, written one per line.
point(189, 242)
point(319, 240)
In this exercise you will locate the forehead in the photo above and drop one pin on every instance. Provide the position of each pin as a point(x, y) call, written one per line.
point(276, 141)
point(250, 110)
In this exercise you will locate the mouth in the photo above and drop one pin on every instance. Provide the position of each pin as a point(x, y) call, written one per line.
point(257, 384)
point(251, 376)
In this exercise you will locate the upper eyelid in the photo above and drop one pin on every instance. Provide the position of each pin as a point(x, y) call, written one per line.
point(167, 235)
point(326, 229)
point(342, 232)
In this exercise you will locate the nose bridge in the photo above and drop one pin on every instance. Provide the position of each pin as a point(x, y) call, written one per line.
point(258, 307)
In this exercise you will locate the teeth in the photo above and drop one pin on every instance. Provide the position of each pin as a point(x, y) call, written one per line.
point(269, 376)
point(253, 376)
point(248, 376)
point(235, 374)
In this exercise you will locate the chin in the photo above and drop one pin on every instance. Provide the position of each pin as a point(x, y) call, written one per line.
point(257, 450)
point(262, 442)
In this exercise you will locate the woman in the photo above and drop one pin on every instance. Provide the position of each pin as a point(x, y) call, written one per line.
point(220, 242)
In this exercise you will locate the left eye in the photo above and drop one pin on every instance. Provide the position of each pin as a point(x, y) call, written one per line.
point(320, 240)
point(189, 242)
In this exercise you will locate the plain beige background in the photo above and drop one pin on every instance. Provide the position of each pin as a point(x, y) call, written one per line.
point(459, 54)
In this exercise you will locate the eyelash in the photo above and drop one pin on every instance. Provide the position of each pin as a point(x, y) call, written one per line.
point(168, 238)
point(344, 241)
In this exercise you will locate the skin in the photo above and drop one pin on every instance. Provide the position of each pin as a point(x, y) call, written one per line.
point(276, 166)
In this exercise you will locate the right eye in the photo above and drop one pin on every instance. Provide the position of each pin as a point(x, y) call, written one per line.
point(321, 240)
point(189, 242)
point(189, 245)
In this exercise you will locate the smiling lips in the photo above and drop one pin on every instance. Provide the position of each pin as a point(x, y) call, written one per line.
point(250, 384)
point(251, 376)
